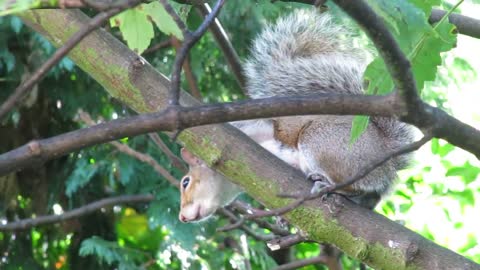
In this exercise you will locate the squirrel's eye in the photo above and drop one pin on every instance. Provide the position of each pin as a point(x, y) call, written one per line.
point(185, 182)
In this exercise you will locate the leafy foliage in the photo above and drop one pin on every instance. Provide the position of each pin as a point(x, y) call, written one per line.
point(421, 42)
point(111, 252)
point(137, 28)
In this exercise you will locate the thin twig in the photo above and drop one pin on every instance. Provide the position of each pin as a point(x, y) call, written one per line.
point(147, 159)
point(279, 211)
point(301, 263)
point(176, 162)
point(169, 9)
point(187, 68)
point(232, 226)
point(81, 211)
point(85, 117)
point(244, 208)
point(285, 241)
point(162, 45)
point(190, 40)
point(228, 214)
point(93, 24)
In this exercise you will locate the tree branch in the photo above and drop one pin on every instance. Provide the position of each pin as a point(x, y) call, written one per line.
point(302, 263)
point(187, 68)
point(465, 25)
point(285, 241)
point(176, 162)
point(161, 45)
point(171, 119)
point(234, 220)
point(81, 211)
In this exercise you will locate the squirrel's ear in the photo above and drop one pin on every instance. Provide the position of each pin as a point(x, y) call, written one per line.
point(190, 158)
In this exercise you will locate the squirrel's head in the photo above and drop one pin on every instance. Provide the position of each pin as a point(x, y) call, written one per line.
point(203, 190)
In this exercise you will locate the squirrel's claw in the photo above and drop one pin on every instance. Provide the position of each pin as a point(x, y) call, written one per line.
point(320, 182)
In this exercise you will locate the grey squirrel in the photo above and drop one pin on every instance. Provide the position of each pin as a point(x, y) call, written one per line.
point(301, 54)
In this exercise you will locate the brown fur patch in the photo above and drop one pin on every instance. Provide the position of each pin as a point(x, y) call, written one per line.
point(288, 130)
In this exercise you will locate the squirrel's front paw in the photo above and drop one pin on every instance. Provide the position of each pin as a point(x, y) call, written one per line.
point(320, 181)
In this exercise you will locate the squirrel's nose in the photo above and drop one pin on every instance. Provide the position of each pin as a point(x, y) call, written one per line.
point(182, 218)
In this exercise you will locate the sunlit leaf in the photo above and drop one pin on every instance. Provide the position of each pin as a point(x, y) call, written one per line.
point(163, 20)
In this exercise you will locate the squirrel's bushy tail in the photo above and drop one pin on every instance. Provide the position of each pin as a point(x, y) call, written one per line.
point(307, 53)
point(304, 53)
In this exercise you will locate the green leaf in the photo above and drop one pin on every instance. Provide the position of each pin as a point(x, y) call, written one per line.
point(467, 172)
point(418, 40)
point(426, 5)
point(136, 29)
point(81, 176)
point(466, 197)
point(464, 70)
point(163, 20)
point(111, 253)
point(11, 7)
point(471, 243)
point(441, 149)
point(359, 125)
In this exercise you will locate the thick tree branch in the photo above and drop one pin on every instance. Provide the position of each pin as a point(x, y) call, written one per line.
point(81, 211)
point(378, 241)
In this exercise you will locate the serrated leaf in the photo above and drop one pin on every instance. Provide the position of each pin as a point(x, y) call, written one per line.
point(136, 28)
point(163, 20)
point(418, 40)
point(426, 5)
